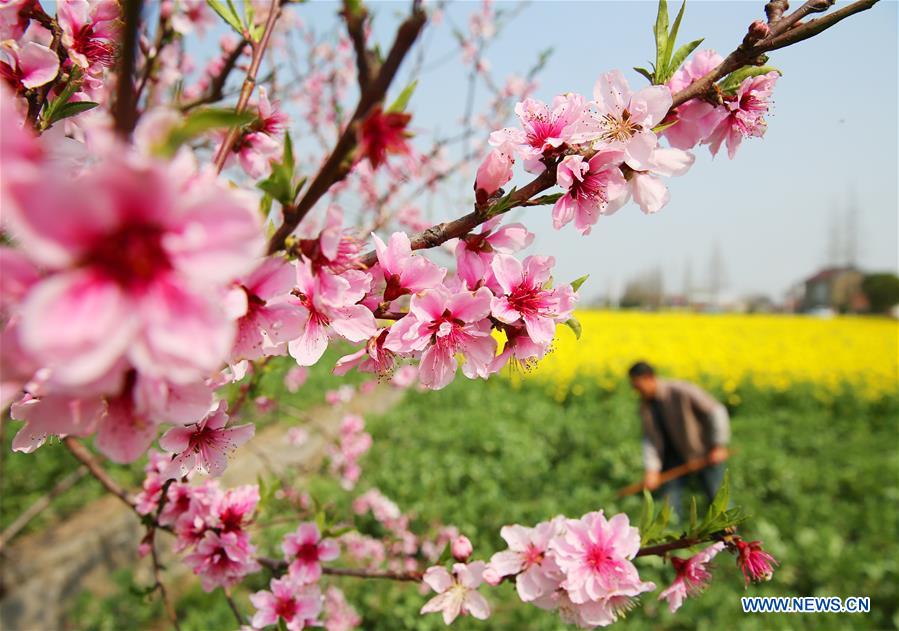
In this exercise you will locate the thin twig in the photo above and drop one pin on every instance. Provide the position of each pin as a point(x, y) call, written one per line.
point(748, 52)
point(239, 616)
point(249, 83)
point(337, 165)
point(84, 456)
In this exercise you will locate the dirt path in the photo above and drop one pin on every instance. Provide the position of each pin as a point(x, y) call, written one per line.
point(43, 572)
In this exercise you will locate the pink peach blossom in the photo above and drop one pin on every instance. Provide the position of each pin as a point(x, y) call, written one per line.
point(296, 604)
point(457, 593)
point(405, 272)
point(543, 127)
point(221, 560)
point(590, 186)
point(525, 297)
point(595, 556)
point(29, 66)
point(474, 252)
point(692, 576)
point(527, 559)
point(328, 303)
point(746, 114)
point(205, 446)
point(138, 270)
point(305, 550)
point(442, 324)
point(624, 120)
point(90, 31)
point(268, 321)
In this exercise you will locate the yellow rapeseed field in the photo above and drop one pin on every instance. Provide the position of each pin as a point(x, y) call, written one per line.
point(729, 350)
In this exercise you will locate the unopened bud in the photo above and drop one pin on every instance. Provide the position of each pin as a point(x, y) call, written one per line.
point(758, 30)
point(461, 548)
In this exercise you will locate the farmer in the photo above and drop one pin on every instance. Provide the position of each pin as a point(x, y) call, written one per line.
point(681, 422)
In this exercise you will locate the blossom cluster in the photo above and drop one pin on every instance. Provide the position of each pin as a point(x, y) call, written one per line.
point(210, 524)
point(582, 568)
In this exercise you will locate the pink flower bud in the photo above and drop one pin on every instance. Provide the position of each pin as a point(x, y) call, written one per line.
point(461, 548)
point(494, 171)
point(759, 30)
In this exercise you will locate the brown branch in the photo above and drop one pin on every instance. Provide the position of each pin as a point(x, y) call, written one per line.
point(664, 548)
point(216, 91)
point(126, 101)
point(818, 25)
point(750, 51)
point(163, 37)
point(84, 456)
point(167, 603)
point(280, 566)
point(249, 83)
point(240, 619)
point(443, 232)
point(366, 64)
point(337, 166)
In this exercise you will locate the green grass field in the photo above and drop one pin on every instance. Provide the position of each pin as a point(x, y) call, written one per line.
point(821, 484)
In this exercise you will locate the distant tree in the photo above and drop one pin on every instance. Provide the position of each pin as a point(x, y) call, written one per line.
point(882, 291)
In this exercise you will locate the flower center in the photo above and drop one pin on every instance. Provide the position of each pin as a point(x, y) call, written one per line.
point(286, 608)
point(101, 52)
point(132, 257)
point(308, 553)
point(621, 128)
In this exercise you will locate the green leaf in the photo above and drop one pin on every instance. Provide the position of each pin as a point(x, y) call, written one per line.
point(719, 504)
point(399, 105)
point(661, 33)
point(682, 53)
point(731, 82)
point(71, 108)
point(200, 121)
point(575, 325)
point(72, 85)
point(576, 283)
point(663, 126)
point(663, 517)
point(249, 14)
point(694, 520)
point(646, 516)
point(672, 37)
point(227, 14)
point(646, 73)
point(502, 204)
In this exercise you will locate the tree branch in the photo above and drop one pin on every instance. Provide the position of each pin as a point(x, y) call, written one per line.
point(126, 101)
point(249, 82)
point(749, 52)
point(84, 456)
point(216, 90)
point(355, 26)
point(337, 165)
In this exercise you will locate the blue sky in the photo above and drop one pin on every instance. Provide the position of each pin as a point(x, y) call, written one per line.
point(832, 139)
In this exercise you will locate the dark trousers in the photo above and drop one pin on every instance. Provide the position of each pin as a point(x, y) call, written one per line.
point(709, 479)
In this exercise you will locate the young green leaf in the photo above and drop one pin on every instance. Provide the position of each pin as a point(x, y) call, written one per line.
point(227, 14)
point(576, 283)
point(645, 73)
point(679, 56)
point(71, 109)
point(672, 37)
point(719, 504)
point(399, 105)
point(661, 33)
point(646, 516)
point(731, 83)
point(200, 121)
